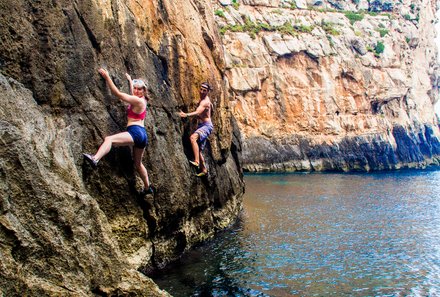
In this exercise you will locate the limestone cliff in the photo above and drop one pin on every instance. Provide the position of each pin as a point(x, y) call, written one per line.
point(333, 85)
point(66, 229)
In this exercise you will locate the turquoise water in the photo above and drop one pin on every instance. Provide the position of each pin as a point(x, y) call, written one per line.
point(322, 235)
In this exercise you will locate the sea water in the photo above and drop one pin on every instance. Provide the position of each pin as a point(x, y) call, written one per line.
point(370, 234)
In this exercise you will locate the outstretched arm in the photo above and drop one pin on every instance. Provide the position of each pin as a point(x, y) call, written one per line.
point(130, 82)
point(121, 95)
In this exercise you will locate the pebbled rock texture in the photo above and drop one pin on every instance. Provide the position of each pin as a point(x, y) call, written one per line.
point(333, 85)
point(69, 230)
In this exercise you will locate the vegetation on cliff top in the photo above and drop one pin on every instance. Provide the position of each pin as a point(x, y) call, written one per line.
point(254, 28)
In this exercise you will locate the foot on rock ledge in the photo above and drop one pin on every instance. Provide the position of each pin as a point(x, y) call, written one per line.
point(90, 158)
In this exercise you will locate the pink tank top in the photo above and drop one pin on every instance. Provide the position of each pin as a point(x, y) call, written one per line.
point(136, 116)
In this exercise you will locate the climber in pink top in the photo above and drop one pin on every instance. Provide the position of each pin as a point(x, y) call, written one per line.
point(136, 134)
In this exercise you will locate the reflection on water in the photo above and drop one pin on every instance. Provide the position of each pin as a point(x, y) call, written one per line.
point(323, 235)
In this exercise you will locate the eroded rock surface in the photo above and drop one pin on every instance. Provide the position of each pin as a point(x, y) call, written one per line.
point(66, 229)
point(333, 85)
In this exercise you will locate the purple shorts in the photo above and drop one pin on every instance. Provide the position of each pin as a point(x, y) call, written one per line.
point(203, 129)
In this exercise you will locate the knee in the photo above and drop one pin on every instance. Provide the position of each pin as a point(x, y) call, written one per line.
point(138, 166)
point(108, 139)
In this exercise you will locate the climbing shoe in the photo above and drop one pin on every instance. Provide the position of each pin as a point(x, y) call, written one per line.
point(201, 174)
point(148, 191)
point(91, 160)
point(194, 163)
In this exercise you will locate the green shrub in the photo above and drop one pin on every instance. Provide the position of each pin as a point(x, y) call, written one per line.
point(293, 5)
point(254, 28)
point(304, 28)
point(354, 17)
point(379, 48)
point(248, 21)
point(330, 40)
point(219, 13)
point(266, 27)
point(235, 4)
point(236, 28)
point(250, 26)
point(287, 28)
point(329, 29)
point(407, 17)
point(318, 9)
point(382, 31)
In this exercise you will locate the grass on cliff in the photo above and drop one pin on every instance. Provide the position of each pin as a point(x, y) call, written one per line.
point(235, 4)
point(294, 29)
point(254, 28)
point(329, 28)
point(354, 17)
point(382, 31)
point(377, 50)
point(219, 13)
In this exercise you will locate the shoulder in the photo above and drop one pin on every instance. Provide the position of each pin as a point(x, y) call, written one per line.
point(139, 99)
point(206, 102)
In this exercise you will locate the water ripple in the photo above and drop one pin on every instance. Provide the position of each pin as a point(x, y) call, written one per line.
point(323, 235)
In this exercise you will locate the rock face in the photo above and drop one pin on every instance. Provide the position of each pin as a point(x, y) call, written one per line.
point(66, 229)
point(337, 85)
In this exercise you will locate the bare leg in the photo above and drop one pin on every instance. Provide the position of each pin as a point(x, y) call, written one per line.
point(140, 168)
point(195, 146)
point(123, 138)
point(202, 163)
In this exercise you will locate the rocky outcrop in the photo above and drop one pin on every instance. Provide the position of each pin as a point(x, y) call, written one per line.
point(333, 85)
point(69, 230)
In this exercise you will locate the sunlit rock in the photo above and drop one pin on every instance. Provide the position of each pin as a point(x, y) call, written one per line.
point(337, 77)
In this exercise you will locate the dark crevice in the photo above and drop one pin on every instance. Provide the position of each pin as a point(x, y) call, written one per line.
point(196, 211)
point(89, 32)
point(128, 65)
point(98, 291)
point(181, 243)
point(146, 207)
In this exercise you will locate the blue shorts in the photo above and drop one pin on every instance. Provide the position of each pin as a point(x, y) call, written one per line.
point(139, 135)
point(204, 130)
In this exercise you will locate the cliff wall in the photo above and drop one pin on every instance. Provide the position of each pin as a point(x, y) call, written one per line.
point(333, 85)
point(66, 229)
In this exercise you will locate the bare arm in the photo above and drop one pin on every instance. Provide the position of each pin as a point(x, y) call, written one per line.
point(133, 100)
point(200, 109)
point(130, 83)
